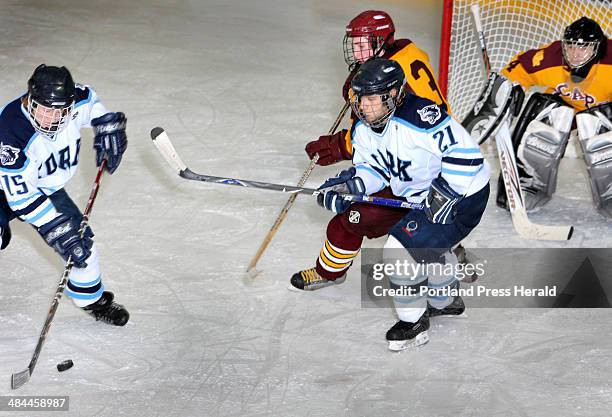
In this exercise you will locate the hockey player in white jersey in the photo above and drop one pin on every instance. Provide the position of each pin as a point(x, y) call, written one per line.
point(39, 153)
point(411, 145)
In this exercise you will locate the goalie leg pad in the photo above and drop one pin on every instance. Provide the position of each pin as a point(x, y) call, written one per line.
point(595, 133)
point(547, 123)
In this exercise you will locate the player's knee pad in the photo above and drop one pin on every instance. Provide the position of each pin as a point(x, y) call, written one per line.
point(595, 133)
point(543, 130)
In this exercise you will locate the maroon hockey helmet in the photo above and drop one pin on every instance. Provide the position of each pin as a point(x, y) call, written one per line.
point(367, 35)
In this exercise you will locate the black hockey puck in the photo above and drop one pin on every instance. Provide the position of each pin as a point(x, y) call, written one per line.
point(67, 364)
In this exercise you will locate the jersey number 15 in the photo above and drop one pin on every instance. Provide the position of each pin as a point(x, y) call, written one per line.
point(17, 181)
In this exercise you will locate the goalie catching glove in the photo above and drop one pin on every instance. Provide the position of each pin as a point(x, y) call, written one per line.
point(441, 202)
point(344, 183)
point(496, 101)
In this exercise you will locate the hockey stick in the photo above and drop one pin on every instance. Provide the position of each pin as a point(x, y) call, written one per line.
point(285, 210)
point(507, 160)
point(18, 379)
point(165, 147)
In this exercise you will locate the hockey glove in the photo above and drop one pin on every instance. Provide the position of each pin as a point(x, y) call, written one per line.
point(345, 183)
point(440, 205)
point(331, 148)
point(5, 236)
point(62, 234)
point(110, 140)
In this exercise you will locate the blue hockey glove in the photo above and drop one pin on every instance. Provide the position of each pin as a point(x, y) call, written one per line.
point(62, 234)
point(440, 205)
point(110, 140)
point(344, 183)
point(5, 236)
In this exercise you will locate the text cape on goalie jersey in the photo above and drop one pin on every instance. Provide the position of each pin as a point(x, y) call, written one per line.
point(545, 67)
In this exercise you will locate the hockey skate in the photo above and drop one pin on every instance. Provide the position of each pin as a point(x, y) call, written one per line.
point(108, 311)
point(404, 335)
point(310, 280)
point(456, 308)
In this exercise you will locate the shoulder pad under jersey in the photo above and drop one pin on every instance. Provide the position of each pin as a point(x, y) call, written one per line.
point(421, 113)
point(82, 94)
point(16, 133)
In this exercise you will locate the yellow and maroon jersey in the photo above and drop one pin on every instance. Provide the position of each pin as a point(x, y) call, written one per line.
point(419, 73)
point(419, 76)
point(544, 67)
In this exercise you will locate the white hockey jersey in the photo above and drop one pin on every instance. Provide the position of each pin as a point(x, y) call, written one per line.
point(420, 142)
point(33, 166)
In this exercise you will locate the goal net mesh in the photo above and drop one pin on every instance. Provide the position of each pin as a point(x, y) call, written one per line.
point(510, 26)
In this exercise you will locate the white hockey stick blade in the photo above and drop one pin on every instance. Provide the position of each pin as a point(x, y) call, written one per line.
point(516, 200)
point(530, 230)
point(164, 145)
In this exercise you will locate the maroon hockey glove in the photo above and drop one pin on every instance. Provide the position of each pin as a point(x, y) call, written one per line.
point(331, 148)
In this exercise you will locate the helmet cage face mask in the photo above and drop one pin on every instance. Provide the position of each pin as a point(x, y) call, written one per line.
point(367, 42)
point(389, 104)
point(577, 54)
point(48, 120)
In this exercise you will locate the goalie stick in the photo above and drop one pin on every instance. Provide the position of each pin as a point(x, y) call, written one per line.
point(18, 379)
point(509, 170)
point(164, 146)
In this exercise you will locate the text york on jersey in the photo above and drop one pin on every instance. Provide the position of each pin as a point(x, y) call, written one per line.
point(394, 165)
point(63, 160)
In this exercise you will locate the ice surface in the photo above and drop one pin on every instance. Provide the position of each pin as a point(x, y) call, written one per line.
point(241, 86)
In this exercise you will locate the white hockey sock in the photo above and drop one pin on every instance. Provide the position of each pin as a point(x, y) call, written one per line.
point(408, 307)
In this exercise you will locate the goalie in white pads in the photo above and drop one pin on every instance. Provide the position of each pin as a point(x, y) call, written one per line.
point(415, 148)
point(40, 142)
point(576, 73)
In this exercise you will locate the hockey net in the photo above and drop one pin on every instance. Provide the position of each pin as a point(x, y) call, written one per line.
point(510, 26)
